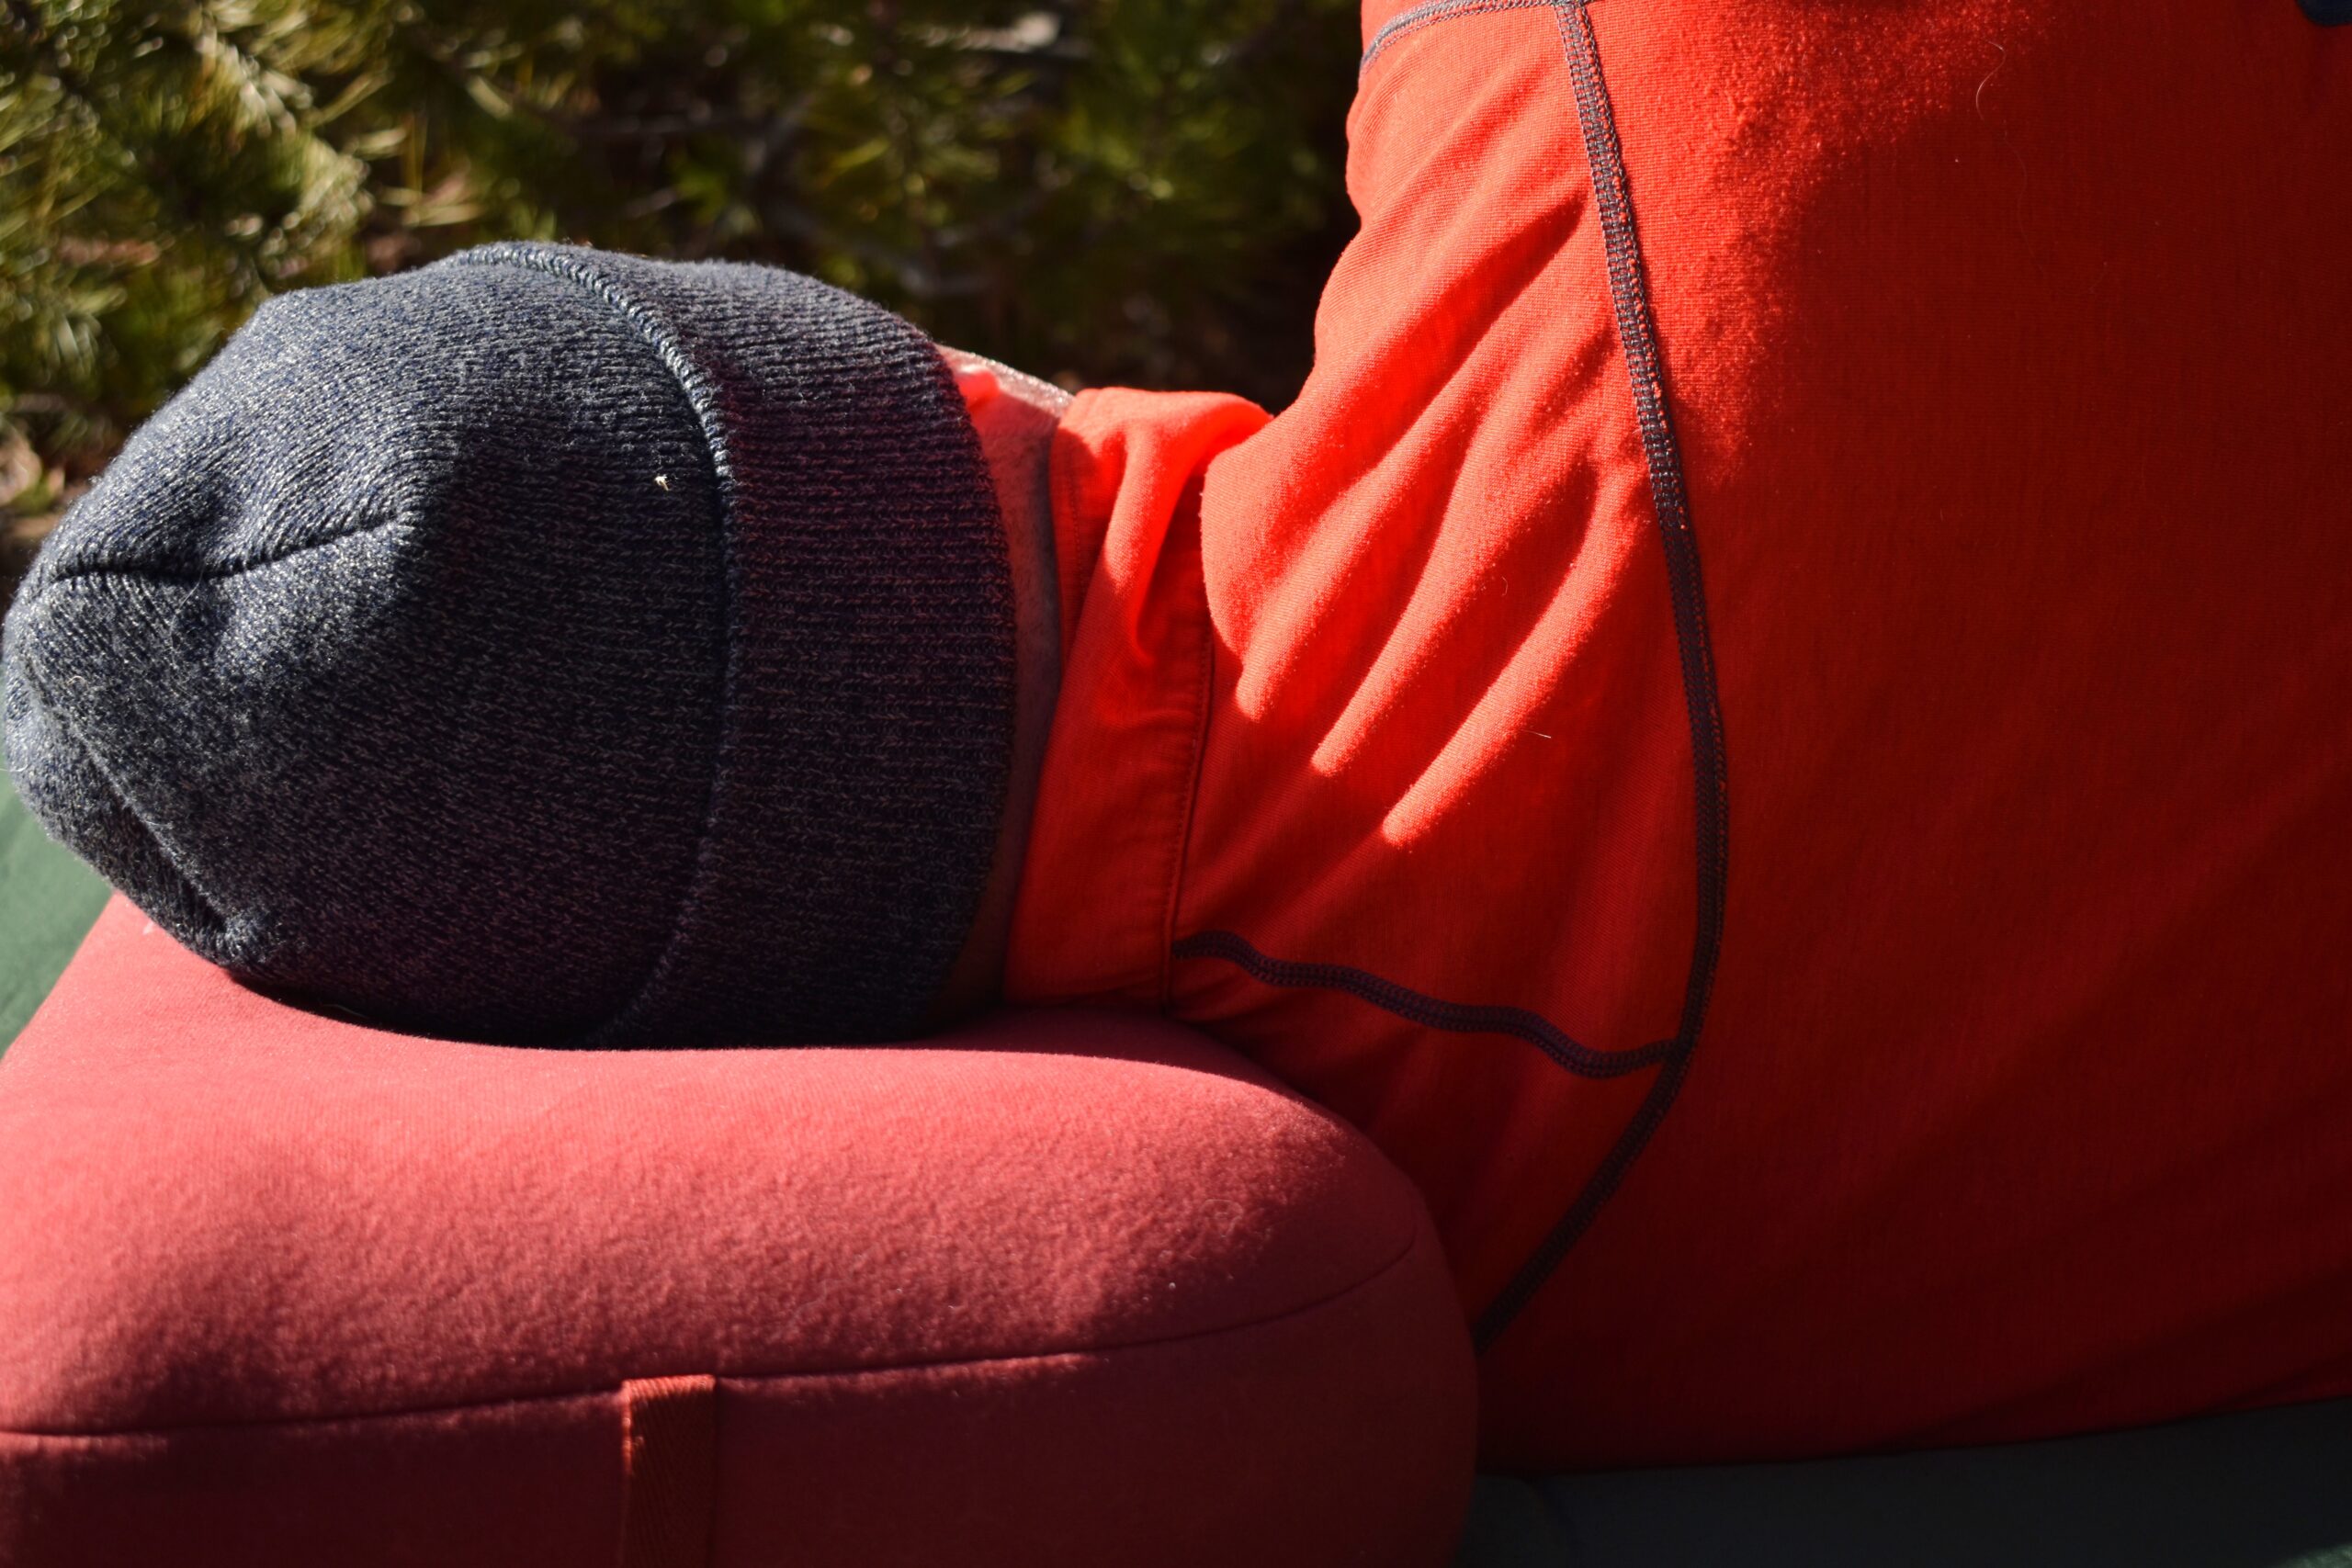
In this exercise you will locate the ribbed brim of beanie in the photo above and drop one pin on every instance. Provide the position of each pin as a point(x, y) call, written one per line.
point(549, 646)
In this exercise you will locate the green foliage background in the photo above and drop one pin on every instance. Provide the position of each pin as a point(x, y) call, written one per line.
point(1140, 191)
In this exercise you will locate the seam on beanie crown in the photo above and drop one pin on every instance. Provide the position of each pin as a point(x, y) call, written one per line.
point(221, 572)
point(26, 668)
point(701, 398)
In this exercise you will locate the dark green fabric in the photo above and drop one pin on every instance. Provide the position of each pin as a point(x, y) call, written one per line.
point(47, 901)
point(2264, 1489)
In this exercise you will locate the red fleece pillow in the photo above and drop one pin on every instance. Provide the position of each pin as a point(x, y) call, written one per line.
point(1069, 1288)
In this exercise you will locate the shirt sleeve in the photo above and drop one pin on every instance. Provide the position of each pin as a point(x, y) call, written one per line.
point(1091, 921)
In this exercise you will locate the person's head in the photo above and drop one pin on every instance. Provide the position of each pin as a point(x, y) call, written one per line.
point(549, 646)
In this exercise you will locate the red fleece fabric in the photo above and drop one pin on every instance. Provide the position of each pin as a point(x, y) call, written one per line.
point(1058, 1289)
point(1992, 1084)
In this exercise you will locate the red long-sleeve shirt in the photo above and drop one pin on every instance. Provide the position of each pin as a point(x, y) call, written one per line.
point(1776, 721)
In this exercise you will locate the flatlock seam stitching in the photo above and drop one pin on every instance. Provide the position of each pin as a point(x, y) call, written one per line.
point(1420, 17)
point(1636, 325)
point(1646, 367)
point(1419, 1007)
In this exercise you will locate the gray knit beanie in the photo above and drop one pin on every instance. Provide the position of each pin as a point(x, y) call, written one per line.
point(547, 646)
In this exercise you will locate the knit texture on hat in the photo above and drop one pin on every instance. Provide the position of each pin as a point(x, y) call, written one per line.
point(547, 646)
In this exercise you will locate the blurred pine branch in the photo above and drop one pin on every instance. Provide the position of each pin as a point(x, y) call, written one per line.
point(1143, 191)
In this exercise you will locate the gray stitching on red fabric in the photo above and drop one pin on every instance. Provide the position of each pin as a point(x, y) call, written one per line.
point(1661, 455)
point(1420, 16)
point(1415, 1006)
point(1637, 334)
point(1645, 364)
